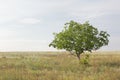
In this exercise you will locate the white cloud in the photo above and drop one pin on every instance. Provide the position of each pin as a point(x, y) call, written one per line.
point(6, 34)
point(29, 21)
point(95, 9)
point(16, 15)
point(25, 45)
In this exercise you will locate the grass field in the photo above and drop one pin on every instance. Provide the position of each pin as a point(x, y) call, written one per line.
point(58, 66)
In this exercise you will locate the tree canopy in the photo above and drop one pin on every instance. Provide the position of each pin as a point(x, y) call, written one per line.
point(77, 37)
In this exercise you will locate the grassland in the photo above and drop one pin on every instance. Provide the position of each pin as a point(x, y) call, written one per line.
point(58, 66)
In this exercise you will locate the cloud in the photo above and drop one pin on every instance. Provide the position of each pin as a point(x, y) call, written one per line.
point(93, 9)
point(6, 34)
point(25, 45)
point(17, 18)
point(29, 21)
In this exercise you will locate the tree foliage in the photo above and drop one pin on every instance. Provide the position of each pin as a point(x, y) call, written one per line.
point(78, 38)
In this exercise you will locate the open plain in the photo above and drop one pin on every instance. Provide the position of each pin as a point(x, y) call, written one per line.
point(58, 66)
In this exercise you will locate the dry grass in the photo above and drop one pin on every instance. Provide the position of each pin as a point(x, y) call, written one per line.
point(58, 66)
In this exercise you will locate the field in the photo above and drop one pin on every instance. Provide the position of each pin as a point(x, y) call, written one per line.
point(58, 66)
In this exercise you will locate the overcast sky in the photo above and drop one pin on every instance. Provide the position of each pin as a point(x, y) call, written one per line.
point(27, 25)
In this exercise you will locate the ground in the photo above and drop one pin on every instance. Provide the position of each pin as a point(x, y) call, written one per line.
point(58, 66)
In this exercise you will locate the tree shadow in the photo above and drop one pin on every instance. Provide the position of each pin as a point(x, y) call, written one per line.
point(112, 64)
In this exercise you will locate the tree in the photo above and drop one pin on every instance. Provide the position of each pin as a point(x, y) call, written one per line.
point(78, 38)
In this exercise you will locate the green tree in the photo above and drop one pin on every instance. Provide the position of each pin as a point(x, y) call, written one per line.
point(78, 38)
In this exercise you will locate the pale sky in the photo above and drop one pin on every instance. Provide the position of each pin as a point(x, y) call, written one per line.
point(27, 25)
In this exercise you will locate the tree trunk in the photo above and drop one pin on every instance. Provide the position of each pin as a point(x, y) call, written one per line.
point(78, 56)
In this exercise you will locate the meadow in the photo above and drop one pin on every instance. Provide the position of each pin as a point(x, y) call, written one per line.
point(58, 66)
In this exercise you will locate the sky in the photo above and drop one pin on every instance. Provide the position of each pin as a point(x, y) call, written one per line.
point(28, 25)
